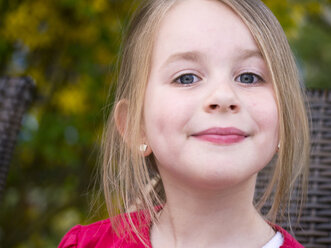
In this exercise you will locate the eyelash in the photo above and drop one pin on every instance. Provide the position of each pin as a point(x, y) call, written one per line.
point(176, 80)
point(258, 79)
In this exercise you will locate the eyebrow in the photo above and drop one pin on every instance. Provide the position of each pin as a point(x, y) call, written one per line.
point(195, 56)
point(248, 53)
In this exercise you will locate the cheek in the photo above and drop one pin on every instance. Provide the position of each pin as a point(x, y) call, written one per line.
point(165, 119)
point(165, 111)
point(265, 114)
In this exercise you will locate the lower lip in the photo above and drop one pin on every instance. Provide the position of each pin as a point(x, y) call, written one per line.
point(221, 139)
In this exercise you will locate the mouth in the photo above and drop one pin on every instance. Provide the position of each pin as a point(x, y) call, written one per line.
point(222, 136)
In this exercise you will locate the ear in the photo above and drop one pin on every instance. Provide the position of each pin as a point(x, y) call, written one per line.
point(121, 114)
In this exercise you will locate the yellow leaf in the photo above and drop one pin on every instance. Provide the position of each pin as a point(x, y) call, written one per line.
point(71, 100)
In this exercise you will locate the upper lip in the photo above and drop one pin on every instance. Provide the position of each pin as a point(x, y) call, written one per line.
point(221, 131)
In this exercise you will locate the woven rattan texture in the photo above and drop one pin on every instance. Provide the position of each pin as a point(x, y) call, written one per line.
point(314, 229)
point(15, 96)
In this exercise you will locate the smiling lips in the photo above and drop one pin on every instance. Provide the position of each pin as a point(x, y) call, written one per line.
point(221, 136)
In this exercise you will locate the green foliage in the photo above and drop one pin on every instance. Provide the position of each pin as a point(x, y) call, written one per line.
point(70, 47)
point(308, 26)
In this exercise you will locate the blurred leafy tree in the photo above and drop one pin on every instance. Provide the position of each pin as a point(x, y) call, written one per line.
point(70, 47)
point(307, 24)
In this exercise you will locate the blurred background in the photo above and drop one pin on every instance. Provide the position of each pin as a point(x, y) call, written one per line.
point(70, 47)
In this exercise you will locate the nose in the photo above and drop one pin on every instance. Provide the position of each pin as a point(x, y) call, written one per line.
point(222, 99)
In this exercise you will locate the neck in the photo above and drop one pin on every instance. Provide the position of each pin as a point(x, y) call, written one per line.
point(208, 219)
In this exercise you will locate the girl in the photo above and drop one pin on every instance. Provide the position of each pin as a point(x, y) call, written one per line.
point(208, 93)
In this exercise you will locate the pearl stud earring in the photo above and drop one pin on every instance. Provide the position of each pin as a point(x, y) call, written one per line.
point(143, 147)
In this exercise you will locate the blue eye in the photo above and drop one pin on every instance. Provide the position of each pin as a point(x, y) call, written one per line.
point(249, 78)
point(187, 79)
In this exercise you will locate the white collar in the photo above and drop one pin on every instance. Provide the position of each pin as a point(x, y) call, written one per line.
point(275, 242)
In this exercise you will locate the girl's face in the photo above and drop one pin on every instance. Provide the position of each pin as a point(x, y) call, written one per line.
point(210, 113)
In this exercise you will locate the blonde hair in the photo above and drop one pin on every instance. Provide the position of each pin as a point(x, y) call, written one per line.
point(128, 176)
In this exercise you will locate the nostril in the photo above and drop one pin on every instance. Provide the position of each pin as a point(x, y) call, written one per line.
point(217, 107)
point(232, 107)
point(213, 106)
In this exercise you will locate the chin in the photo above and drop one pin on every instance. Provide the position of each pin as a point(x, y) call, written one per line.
point(220, 181)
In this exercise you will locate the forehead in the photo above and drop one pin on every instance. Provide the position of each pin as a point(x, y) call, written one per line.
point(208, 26)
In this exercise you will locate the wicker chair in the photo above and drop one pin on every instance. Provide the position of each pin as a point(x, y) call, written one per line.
point(314, 229)
point(15, 96)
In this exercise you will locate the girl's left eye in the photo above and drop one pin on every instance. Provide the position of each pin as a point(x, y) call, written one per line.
point(249, 78)
point(187, 79)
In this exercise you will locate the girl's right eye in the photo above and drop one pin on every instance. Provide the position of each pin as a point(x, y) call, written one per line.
point(187, 79)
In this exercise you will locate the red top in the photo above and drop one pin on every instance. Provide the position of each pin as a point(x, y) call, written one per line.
point(101, 235)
